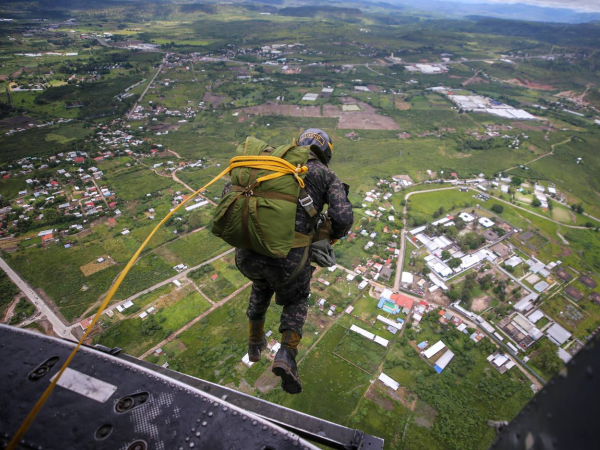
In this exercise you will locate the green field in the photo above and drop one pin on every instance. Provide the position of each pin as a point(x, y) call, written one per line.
point(196, 248)
point(134, 337)
point(228, 281)
point(360, 351)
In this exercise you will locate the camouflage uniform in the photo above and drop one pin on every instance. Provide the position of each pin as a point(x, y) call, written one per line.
point(324, 187)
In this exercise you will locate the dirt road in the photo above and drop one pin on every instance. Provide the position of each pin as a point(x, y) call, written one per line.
point(193, 322)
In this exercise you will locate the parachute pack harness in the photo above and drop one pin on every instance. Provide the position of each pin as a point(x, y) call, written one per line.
point(278, 166)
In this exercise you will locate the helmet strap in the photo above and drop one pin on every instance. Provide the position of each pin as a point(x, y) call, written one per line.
point(316, 150)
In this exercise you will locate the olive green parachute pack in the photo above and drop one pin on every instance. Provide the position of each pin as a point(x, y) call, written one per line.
point(261, 214)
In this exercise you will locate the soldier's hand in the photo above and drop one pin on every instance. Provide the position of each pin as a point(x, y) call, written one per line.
point(333, 241)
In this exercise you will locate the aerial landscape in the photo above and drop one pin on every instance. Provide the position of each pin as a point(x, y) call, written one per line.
point(469, 136)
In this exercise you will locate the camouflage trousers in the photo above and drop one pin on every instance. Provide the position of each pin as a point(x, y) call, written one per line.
point(266, 274)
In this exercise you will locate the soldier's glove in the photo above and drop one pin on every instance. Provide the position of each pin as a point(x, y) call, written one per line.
point(322, 228)
point(323, 254)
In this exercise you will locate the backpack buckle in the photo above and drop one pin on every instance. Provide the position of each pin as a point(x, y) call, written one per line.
point(306, 202)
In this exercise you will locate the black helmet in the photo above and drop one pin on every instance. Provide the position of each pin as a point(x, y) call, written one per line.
point(319, 142)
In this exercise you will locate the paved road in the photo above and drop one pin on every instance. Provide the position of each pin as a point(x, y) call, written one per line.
point(131, 111)
point(61, 329)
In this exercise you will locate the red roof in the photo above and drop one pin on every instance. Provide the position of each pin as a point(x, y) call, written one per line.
point(85, 323)
point(214, 277)
point(79, 159)
point(112, 220)
point(403, 301)
point(47, 237)
point(454, 174)
point(112, 204)
point(442, 312)
point(423, 302)
point(6, 176)
point(99, 158)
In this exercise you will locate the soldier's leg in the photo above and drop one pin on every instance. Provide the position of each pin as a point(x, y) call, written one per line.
point(260, 298)
point(294, 299)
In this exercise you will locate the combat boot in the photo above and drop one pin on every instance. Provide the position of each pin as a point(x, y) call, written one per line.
point(284, 365)
point(257, 341)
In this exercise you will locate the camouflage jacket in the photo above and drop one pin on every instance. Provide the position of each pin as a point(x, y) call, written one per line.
point(323, 185)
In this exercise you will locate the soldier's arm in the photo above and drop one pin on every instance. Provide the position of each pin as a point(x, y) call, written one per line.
point(226, 189)
point(340, 208)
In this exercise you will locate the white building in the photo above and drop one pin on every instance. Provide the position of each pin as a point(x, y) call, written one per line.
point(433, 350)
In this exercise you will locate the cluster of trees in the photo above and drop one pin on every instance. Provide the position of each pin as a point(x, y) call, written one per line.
point(439, 212)
point(99, 99)
point(516, 181)
point(578, 208)
point(6, 110)
point(200, 272)
point(470, 241)
point(474, 144)
point(7, 291)
point(465, 294)
point(548, 359)
point(22, 311)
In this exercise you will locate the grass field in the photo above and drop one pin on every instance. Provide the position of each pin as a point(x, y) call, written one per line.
point(137, 183)
point(332, 387)
point(360, 351)
point(229, 278)
point(130, 335)
point(196, 248)
point(423, 206)
point(41, 141)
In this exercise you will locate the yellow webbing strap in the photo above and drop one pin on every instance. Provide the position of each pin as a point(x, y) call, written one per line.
point(274, 164)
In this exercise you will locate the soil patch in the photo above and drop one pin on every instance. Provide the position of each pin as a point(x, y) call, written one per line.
point(531, 84)
point(95, 266)
point(376, 396)
point(366, 119)
point(437, 298)
point(527, 126)
point(216, 100)
point(480, 304)
point(164, 127)
point(172, 297)
point(401, 104)
point(475, 81)
point(424, 415)
point(267, 381)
